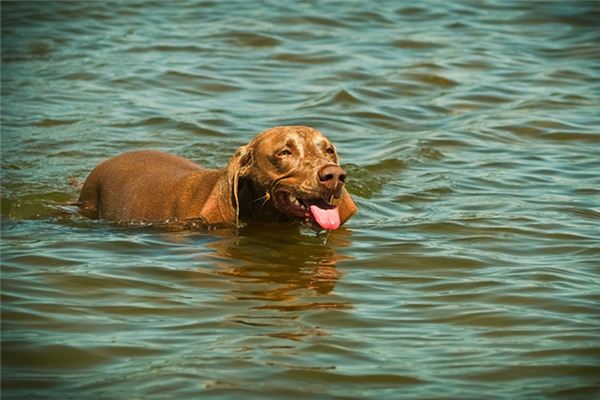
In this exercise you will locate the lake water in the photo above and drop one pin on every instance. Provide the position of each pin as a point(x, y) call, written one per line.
point(470, 134)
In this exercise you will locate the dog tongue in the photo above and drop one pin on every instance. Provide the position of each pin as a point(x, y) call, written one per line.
point(327, 218)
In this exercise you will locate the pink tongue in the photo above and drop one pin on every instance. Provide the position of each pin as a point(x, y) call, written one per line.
point(327, 218)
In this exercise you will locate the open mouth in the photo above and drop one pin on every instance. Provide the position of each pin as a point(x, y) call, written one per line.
point(321, 211)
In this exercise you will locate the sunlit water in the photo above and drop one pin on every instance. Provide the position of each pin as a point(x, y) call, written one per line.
point(470, 134)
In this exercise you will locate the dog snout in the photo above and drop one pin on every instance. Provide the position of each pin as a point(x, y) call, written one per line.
point(332, 177)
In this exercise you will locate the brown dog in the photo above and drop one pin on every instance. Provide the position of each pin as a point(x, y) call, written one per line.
point(285, 173)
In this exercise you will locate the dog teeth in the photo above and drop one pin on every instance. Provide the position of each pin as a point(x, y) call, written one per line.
point(295, 201)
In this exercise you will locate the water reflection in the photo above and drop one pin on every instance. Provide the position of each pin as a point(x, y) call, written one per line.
point(282, 265)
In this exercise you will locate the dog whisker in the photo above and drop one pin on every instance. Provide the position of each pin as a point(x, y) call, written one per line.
point(264, 199)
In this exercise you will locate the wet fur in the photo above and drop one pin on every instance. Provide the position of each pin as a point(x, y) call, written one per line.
point(152, 186)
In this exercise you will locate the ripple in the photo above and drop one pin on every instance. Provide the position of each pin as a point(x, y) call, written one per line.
point(415, 44)
point(589, 51)
point(415, 13)
point(250, 39)
point(39, 357)
point(169, 123)
point(363, 182)
point(310, 20)
point(304, 58)
point(201, 82)
point(35, 206)
point(486, 98)
point(165, 48)
point(344, 379)
point(40, 260)
point(81, 76)
point(583, 212)
point(543, 133)
point(342, 97)
point(468, 133)
point(513, 372)
point(430, 79)
point(48, 123)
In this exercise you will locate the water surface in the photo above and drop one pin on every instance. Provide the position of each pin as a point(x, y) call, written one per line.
point(469, 131)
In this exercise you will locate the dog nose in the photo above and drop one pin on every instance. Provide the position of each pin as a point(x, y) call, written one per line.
point(332, 176)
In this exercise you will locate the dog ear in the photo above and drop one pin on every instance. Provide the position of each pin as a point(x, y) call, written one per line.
point(239, 165)
point(346, 206)
point(241, 160)
point(222, 206)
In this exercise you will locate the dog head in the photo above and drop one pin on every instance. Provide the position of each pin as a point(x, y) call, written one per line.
point(290, 172)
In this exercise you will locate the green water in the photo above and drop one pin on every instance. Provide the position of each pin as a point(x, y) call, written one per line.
point(469, 132)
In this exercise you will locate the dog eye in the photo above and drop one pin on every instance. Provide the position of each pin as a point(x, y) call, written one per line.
point(330, 151)
point(284, 153)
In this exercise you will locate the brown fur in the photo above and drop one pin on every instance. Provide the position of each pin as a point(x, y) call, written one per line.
point(158, 187)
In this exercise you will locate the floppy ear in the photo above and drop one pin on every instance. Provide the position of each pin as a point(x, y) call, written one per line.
point(346, 206)
point(222, 205)
point(239, 165)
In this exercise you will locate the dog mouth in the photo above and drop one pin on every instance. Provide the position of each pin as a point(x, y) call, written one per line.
point(319, 210)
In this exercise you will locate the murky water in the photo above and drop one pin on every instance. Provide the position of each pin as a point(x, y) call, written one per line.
point(470, 132)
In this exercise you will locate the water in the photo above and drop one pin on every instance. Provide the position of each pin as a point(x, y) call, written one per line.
point(469, 131)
